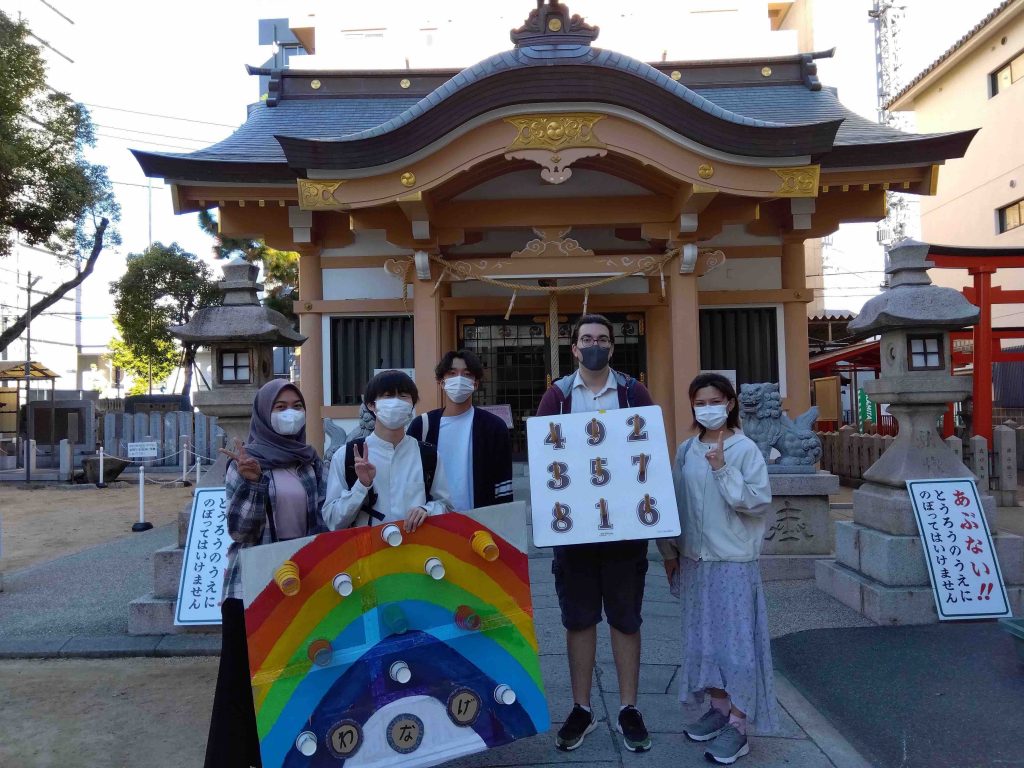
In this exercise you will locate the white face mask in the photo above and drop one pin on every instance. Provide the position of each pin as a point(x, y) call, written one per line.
point(459, 388)
point(288, 422)
point(393, 413)
point(711, 416)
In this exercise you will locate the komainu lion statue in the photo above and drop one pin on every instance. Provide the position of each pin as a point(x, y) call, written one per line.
point(766, 424)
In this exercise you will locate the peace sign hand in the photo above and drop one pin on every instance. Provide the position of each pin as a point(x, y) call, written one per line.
point(248, 467)
point(365, 471)
point(716, 456)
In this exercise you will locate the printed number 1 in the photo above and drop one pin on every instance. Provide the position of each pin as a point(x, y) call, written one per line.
point(602, 509)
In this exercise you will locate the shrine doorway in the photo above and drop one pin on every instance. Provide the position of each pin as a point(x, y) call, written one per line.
point(516, 354)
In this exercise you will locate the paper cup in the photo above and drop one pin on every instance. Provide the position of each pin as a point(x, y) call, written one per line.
point(343, 584)
point(484, 545)
point(287, 578)
point(400, 672)
point(434, 568)
point(467, 618)
point(504, 694)
point(306, 743)
point(320, 652)
point(391, 534)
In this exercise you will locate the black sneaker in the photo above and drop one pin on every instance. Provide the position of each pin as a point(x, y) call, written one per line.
point(634, 732)
point(576, 726)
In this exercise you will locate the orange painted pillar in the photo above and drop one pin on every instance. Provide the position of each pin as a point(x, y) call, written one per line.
point(982, 420)
point(311, 366)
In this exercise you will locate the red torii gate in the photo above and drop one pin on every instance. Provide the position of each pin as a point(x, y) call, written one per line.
point(981, 264)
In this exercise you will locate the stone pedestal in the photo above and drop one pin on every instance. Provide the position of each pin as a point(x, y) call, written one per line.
point(799, 528)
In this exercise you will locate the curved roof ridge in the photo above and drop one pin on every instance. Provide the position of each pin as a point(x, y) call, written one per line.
point(518, 58)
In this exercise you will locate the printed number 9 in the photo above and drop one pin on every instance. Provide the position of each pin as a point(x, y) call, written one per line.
point(596, 432)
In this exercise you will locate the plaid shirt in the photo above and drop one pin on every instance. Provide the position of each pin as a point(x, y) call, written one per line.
point(247, 514)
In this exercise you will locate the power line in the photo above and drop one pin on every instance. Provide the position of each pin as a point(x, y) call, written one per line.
point(69, 21)
point(164, 117)
point(150, 133)
point(133, 139)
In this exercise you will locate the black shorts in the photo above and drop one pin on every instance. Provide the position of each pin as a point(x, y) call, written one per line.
point(609, 573)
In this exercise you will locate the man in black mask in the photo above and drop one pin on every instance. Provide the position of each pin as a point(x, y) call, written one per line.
point(608, 574)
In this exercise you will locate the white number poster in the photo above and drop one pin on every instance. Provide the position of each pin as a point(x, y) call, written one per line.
point(206, 557)
point(958, 549)
point(600, 476)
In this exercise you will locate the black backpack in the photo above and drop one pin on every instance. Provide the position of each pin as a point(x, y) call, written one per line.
point(428, 461)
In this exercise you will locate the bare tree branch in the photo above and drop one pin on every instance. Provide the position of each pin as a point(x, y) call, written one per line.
point(14, 331)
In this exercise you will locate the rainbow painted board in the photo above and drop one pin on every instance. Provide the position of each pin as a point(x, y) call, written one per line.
point(376, 647)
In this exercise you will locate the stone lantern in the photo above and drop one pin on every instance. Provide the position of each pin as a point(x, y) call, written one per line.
point(241, 335)
point(880, 568)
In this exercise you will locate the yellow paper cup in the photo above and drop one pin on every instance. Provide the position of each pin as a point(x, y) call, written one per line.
point(287, 578)
point(484, 545)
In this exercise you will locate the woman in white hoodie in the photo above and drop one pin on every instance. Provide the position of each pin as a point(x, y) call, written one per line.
point(722, 491)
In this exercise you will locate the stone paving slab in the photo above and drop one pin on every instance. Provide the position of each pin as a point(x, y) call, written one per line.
point(32, 647)
point(188, 645)
point(110, 646)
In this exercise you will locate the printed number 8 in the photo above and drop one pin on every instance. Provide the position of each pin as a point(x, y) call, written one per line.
point(561, 522)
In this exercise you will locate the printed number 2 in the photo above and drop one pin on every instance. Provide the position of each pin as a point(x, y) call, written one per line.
point(559, 475)
point(638, 423)
point(561, 521)
point(554, 437)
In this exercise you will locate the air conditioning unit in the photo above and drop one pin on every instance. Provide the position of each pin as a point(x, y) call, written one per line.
point(884, 235)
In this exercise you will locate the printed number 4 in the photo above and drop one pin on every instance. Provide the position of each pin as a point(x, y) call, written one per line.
point(554, 437)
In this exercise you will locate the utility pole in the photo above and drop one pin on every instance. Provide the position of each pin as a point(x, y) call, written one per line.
point(28, 374)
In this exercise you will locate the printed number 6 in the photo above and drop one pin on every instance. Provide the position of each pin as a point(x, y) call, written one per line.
point(647, 511)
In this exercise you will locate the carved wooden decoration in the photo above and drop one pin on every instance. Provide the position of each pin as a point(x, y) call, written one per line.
point(555, 142)
point(552, 242)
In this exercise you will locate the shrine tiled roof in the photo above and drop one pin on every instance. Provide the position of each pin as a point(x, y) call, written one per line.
point(346, 120)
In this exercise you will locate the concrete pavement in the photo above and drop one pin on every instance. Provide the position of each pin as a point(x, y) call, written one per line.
point(77, 607)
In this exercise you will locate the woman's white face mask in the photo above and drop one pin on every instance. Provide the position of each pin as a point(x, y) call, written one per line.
point(711, 416)
point(288, 422)
point(393, 413)
point(459, 388)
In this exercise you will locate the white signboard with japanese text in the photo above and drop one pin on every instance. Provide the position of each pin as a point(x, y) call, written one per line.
point(206, 557)
point(600, 476)
point(958, 548)
point(147, 450)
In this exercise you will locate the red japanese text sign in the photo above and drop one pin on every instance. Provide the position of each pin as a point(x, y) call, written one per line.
point(958, 549)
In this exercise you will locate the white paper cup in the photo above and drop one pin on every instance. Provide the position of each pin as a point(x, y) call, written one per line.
point(306, 743)
point(504, 694)
point(391, 534)
point(343, 584)
point(400, 672)
point(434, 568)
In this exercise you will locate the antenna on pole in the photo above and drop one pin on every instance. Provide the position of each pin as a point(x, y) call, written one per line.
point(887, 18)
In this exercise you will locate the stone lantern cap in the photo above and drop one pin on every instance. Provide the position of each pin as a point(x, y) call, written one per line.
point(911, 300)
point(241, 318)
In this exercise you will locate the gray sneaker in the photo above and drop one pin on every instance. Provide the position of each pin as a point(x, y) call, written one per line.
point(710, 725)
point(729, 747)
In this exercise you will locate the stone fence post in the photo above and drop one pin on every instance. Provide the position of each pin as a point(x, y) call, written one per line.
point(1004, 463)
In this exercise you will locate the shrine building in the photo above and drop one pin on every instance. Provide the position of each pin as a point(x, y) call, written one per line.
point(485, 208)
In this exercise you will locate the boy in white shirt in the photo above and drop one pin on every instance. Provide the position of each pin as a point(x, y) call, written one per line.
point(389, 476)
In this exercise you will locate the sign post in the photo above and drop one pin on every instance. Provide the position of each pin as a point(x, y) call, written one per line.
point(206, 556)
point(958, 549)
